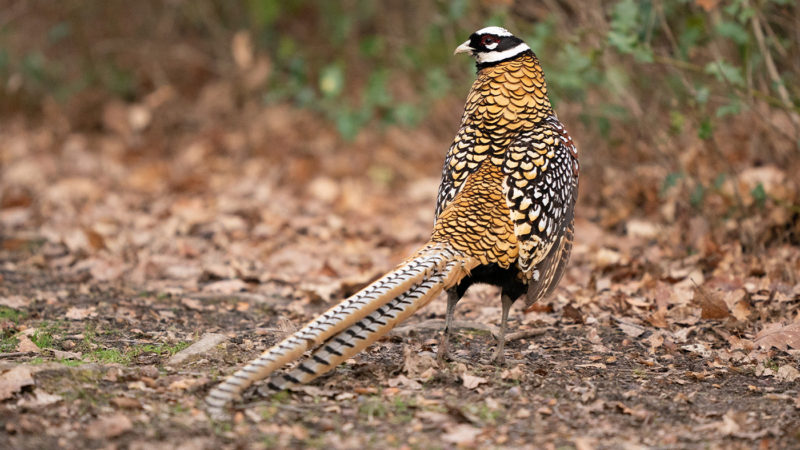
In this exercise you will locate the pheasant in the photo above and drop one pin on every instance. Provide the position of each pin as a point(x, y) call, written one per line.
point(504, 216)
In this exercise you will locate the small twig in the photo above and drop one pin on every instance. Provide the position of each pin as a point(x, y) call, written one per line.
point(438, 324)
point(772, 70)
point(675, 49)
point(284, 407)
point(15, 354)
point(522, 334)
point(773, 37)
point(243, 296)
point(136, 341)
point(561, 416)
point(271, 330)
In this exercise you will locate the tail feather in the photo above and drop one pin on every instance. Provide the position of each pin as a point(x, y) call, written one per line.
point(363, 333)
point(357, 321)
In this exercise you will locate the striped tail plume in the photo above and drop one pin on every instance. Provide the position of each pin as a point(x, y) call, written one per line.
point(352, 325)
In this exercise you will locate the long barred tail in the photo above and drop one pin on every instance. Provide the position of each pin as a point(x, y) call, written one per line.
point(364, 332)
point(353, 324)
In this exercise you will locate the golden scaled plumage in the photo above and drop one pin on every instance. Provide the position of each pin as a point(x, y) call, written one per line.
point(510, 135)
point(504, 99)
point(476, 221)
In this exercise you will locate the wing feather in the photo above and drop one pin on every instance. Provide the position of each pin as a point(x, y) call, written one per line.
point(541, 187)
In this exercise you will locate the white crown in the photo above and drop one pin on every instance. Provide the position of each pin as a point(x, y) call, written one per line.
point(497, 31)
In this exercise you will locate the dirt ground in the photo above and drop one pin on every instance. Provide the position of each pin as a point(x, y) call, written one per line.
point(590, 385)
point(142, 262)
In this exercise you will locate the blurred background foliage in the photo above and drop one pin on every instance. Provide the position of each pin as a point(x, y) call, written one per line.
point(689, 93)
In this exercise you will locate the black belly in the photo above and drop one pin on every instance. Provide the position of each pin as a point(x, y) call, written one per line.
point(493, 274)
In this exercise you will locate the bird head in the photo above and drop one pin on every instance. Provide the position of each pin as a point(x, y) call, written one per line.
point(492, 45)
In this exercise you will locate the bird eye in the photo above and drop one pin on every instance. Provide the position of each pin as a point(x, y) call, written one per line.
point(489, 40)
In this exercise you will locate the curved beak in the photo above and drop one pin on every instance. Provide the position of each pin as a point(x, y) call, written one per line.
point(464, 48)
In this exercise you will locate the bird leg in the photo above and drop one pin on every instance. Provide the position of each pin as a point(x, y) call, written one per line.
point(499, 353)
point(444, 343)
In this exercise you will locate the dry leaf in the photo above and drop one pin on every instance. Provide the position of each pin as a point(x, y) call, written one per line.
point(727, 426)
point(606, 257)
point(94, 239)
point(787, 373)
point(642, 229)
point(126, 403)
point(26, 345)
point(109, 426)
point(14, 301)
point(737, 343)
point(104, 269)
point(182, 384)
point(699, 349)
point(242, 306)
point(41, 398)
point(14, 380)
point(462, 434)
point(571, 312)
point(432, 417)
point(639, 413)
point(324, 292)
point(655, 341)
point(630, 329)
point(584, 443)
point(515, 373)
point(206, 343)
point(403, 381)
point(659, 319)
point(730, 424)
point(416, 363)
point(192, 304)
point(75, 313)
point(226, 286)
point(711, 306)
point(60, 354)
point(779, 336)
point(540, 308)
point(471, 382)
point(315, 391)
point(593, 336)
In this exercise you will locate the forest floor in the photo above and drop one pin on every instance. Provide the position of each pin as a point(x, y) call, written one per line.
point(141, 264)
point(590, 385)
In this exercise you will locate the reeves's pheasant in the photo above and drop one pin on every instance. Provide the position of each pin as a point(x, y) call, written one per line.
point(504, 216)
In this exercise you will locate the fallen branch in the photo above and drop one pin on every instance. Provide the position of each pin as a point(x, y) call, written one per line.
point(772, 70)
point(15, 354)
point(521, 334)
point(438, 324)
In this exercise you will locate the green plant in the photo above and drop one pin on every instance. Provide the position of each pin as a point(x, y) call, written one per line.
point(403, 408)
point(70, 362)
point(11, 314)
point(8, 344)
point(373, 407)
point(759, 195)
point(110, 355)
point(42, 339)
